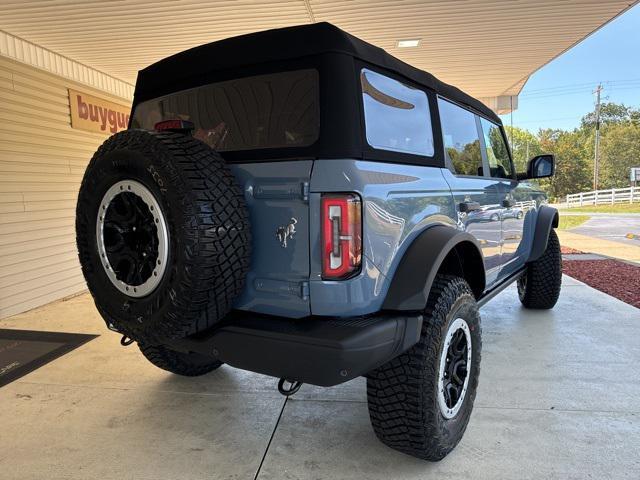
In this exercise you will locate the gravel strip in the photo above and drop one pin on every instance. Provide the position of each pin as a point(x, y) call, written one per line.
point(569, 250)
point(618, 279)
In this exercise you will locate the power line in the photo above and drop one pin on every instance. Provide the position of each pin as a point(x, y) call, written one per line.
point(557, 94)
point(569, 85)
point(634, 121)
point(552, 119)
point(587, 84)
point(563, 90)
point(561, 93)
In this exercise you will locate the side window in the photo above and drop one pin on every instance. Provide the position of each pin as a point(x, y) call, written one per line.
point(497, 153)
point(396, 116)
point(461, 139)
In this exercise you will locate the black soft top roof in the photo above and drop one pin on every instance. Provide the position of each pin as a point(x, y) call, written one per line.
point(183, 70)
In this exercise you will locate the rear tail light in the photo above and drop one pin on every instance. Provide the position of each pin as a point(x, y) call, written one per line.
point(174, 125)
point(341, 235)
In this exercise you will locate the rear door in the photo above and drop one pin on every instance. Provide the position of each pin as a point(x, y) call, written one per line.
point(277, 195)
point(476, 194)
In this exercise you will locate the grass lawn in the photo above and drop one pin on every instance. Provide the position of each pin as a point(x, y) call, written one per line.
point(616, 208)
point(571, 221)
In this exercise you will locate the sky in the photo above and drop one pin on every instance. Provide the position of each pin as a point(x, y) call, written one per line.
point(560, 93)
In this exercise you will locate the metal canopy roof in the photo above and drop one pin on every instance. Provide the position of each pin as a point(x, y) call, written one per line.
point(487, 48)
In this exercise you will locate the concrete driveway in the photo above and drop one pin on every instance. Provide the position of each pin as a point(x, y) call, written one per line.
point(559, 398)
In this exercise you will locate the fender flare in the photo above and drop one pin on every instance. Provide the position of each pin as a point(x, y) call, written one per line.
point(547, 219)
point(414, 276)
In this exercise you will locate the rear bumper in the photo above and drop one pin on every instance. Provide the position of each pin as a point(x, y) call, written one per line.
point(314, 350)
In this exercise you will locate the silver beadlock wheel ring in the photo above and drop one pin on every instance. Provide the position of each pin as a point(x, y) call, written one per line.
point(132, 238)
point(455, 366)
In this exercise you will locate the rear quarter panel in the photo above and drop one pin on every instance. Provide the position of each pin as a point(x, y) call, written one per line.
point(399, 202)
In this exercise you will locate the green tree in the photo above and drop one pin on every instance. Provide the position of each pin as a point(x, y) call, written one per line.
point(524, 146)
point(618, 143)
point(574, 150)
point(573, 169)
point(466, 160)
point(610, 113)
point(619, 151)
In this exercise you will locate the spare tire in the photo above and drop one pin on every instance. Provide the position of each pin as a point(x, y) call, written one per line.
point(163, 235)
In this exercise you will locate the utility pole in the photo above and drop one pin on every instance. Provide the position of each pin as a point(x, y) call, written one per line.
point(597, 145)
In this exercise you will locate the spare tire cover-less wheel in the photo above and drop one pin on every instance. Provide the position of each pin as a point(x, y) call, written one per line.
point(163, 235)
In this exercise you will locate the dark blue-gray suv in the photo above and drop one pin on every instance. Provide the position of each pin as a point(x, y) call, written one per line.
point(299, 203)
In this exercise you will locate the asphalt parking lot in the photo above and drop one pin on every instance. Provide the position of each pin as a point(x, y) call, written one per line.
point(559, 398)
point(618, 228)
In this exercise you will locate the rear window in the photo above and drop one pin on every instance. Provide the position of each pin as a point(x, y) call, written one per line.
point(396, 116)
point(265, 111)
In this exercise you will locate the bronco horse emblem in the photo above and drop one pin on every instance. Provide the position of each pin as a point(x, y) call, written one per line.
point(285, 232)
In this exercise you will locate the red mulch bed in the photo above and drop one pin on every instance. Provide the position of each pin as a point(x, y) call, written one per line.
point(569, 250)
point(618, 279)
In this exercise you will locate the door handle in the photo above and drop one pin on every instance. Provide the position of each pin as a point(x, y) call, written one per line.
point(468, 206)
point(508, 203)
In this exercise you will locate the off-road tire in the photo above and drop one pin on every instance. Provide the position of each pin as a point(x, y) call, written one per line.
point(539, 287)
point(403, 393)
point(180, 363)
point(208, 234)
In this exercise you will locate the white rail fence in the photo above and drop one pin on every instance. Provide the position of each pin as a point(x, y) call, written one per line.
point(604, 197)
point(526, 205)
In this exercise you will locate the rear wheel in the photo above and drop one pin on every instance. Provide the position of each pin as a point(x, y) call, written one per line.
point(180, 363)
point(539, 287)
point(420, 402)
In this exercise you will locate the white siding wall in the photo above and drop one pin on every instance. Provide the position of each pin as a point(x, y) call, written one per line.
point(42, 160)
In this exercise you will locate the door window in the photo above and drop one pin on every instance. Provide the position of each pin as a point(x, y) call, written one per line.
point(396, 116)
point(461, 139)
point(497, 152)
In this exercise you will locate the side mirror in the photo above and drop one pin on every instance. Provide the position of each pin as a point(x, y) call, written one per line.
point(540, 166)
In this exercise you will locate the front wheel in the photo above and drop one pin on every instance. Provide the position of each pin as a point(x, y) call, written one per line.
point(539, 287)
point(420, 402)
